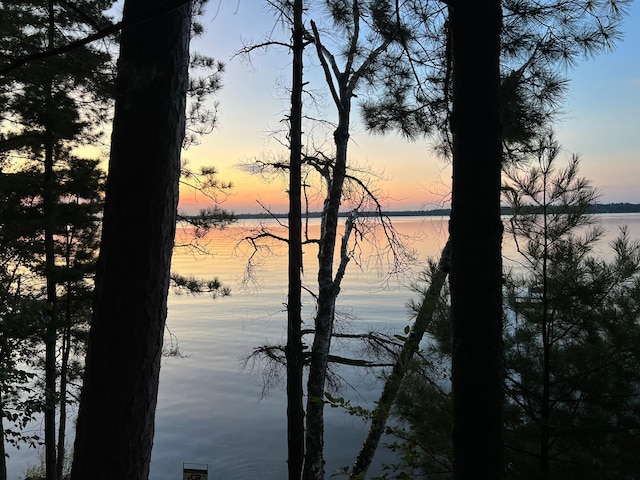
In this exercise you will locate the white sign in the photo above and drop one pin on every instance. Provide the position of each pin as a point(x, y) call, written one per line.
point(194, 474)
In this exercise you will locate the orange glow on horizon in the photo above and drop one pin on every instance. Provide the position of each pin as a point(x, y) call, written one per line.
point(251, 194)
point(404, 175)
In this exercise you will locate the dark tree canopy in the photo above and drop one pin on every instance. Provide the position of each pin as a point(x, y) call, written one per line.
point(571, 343)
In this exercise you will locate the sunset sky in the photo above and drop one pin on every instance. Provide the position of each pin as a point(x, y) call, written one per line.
point(601, 120)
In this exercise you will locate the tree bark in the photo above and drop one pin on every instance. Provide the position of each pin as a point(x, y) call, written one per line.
point(328, 292)
point(294, 349)
point(328, 289)
point(476, 234)
point(64, 367)
point(342, 92)
point(545, 326)
point(50, 314)
point(3, 454)
point(51, 334)
point(391, 387)
point(116, 417)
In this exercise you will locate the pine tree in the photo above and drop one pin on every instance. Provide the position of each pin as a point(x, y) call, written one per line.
point(572, 330)
point(571, 343)
point(75, 234)
point(49, 108)
point(115, 427)
point(482, 78)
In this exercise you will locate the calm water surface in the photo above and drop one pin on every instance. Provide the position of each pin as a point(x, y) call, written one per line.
point(212, 409)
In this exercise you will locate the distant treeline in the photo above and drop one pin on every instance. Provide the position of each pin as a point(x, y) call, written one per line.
point(592, 209)
point(444, 212)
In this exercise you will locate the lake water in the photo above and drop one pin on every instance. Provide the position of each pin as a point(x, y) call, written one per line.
point(211, 409)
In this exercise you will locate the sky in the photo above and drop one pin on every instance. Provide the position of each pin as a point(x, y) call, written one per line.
point(600, 121)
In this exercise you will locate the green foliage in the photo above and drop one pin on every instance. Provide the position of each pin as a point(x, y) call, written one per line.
point(78, 83)
point(51, 200)
point(540, 40)
point(571, 340)
point(423, 442)
point(23, 301)
point(571, 336)
point(347, 406)
point(205, 79)
point(197, 286)
point(204, 182)
point(38, 472)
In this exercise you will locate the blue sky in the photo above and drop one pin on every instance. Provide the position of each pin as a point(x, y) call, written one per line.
point(600, 120)
point(602, 116)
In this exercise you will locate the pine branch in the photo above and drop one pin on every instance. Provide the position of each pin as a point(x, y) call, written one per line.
point(164, 8)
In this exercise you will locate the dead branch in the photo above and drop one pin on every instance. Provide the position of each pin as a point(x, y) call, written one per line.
point(355, 362)
point(393, 382)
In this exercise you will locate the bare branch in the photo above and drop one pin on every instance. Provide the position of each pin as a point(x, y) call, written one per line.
point(356, 362)
point(323, 54)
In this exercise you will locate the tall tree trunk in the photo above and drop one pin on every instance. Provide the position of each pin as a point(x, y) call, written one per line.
point(476, 234)
point(117, 410)
point(342, 90)
point(328, 287)
point(294, 350)
point(342, 85)
point(380, 414)
point(3, 454)
point(50, 336)
point(64, 367)
point(328, 292)
point(545, 407)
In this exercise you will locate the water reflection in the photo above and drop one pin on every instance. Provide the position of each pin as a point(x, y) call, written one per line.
point(211, 410)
